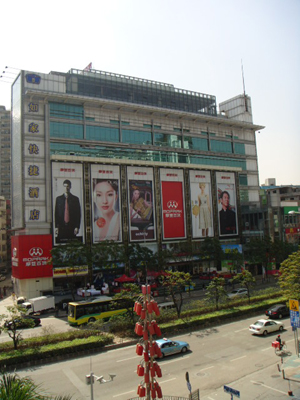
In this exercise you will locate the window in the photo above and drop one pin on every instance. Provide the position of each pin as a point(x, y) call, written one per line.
point(136, 137)
point(243, 180)
point(221, 146)
point(65, 130)
point(195, 143)
point(67, 111)
point(239, 148)
point(102, 133)
point(161, 139)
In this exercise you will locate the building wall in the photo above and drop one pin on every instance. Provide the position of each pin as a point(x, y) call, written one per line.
point(62, 118)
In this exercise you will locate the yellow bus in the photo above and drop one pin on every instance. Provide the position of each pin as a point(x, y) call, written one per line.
point(85, 311)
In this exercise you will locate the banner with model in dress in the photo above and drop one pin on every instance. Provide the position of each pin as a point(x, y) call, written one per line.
point(201, 204)
point(173, 214)
point(105, 189)
point(227, 206)
point(67, 192)
point(141, 204)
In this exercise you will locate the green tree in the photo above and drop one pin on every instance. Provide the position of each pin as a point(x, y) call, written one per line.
point(175, 283)
point(215, 291)
point(246, 279)
point(236, 257)
point(127, 297)
point(12, 324)
point(289, 279)
point(74, 257)
point(211, 250)
point(13, 387)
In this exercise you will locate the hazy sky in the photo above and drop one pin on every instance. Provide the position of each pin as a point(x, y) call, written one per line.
point(193, 44)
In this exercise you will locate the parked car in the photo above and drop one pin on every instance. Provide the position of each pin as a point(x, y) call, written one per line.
point(238, 293)
point(278, 311)
point(265, 326)
point(22, 322)
point(169, 347)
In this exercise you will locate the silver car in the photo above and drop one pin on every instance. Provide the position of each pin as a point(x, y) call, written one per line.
point(265, 326)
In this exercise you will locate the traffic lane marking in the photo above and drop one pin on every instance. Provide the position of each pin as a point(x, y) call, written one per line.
point(269, 387)
point(125, 393)
point(239, 358)
point(240, 330)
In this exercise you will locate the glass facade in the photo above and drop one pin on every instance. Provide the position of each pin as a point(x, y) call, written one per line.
point(129, 89)
point(239, 148)
point(161, 139)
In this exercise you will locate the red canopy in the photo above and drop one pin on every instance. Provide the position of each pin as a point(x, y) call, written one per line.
point(124, 278)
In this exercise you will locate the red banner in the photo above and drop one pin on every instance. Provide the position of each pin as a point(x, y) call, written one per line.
point(30, 255)
point(173, 210)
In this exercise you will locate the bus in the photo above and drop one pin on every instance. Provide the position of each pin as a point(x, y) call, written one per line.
point(85, 311)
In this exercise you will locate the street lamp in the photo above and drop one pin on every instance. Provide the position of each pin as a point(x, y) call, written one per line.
point(294, 212)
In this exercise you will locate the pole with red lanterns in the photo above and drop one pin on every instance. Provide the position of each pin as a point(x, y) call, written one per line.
point(148, 369)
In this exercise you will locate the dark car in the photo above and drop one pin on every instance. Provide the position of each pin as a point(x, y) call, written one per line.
point(278, 311)
point(23, 322)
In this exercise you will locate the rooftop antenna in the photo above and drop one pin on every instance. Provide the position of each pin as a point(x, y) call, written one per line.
point(245, 99)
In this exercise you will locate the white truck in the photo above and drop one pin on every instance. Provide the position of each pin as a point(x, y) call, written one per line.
point(40, 305)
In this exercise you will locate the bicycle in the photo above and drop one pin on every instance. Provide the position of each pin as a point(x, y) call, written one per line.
point(279, 350)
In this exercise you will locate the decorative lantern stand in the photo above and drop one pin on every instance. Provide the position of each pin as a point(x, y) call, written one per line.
point(146, 308)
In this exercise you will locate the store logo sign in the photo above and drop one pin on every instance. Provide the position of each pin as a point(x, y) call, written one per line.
point(172, 205)
point(36, 251)
point(33, 78)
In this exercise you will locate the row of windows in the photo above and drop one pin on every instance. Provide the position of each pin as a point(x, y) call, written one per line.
point(76, 131)
point(145, 155)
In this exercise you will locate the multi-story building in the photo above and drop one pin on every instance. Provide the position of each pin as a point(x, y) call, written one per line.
point(4, 152)
point(283, 203)
point(138, 161)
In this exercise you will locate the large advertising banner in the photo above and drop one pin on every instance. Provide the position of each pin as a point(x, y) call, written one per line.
point(106, 203)
point(201, 204)
point(31, 256)
point(173, 215)
point(141, 204)
point(227, 206)
point(68, 206)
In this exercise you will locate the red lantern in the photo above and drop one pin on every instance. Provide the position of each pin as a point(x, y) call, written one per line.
point(143, 314)
point(138, 329)
point(159, 392)
point(151, 329)
point(140, 370)
point(138, 308)
point(149, 308)
point(153, 394)
point(157, 330)
point(142, 392)
point(144, 289)
point(139, 349)
point(145, 335)
point(146, 356)
point(152, 351)
point(152, 372)
point(146, 377)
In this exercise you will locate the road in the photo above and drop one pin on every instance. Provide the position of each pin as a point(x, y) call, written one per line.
point(225, 355)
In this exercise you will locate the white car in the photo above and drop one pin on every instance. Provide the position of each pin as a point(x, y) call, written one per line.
point(265, 326)
point(238, 293)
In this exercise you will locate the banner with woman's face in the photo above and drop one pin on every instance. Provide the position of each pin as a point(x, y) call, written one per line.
point(141, 204)
point(201, 204)
point(106, 215)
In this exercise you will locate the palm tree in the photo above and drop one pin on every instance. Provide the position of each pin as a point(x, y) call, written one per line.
point(13, 387)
